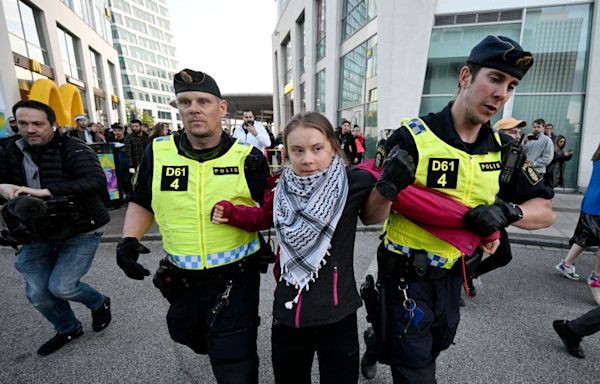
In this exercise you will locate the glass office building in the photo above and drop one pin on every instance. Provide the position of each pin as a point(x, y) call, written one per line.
point(141, 32)
point(376, 62)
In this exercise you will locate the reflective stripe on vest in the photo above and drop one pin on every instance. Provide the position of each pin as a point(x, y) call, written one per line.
point(470, 179)
point(183, 194)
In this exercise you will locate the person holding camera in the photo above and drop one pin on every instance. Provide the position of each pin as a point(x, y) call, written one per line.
point(210, 273)
point(59, 224)
point(252, 132)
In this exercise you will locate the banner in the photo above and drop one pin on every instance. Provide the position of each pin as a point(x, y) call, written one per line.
point(107, 162)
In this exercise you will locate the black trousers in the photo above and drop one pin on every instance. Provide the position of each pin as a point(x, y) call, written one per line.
point(229, 338)
point(337, 349)
point(415, 347)
point(587, 324)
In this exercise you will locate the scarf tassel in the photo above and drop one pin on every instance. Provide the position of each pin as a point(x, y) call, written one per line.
point(290, 304)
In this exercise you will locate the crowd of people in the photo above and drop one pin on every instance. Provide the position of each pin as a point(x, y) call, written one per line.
point(446, 185)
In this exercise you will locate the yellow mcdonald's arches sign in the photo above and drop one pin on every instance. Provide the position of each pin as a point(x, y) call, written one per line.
point(64, 100)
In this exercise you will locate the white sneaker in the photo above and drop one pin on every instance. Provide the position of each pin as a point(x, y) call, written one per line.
point(568, 272)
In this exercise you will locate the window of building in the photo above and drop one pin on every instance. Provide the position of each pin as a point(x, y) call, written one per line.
point(96, 63)
point(302, 97)
point(352, 77)
point(125, 35)
point(122, 5)
point(143, 15)
point(24, 30)
point(137, 25)
point(356, 14)
point(164, 115)
point(113, 78)
point(99, 105)
point(553, 89)
point(116, 18)
point(69, 51)
point(371, 130)
point(320, 91)
point(301, 44)
point(155, 32)
point(289, 63)
point(372, 56)
point(152, 5)
point(163, 23)
point(320, 47)
point(142, 54)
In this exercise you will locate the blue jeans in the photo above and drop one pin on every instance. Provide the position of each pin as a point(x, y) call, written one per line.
point(52, 271)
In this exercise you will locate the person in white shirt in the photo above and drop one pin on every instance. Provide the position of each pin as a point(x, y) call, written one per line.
point(252, 132)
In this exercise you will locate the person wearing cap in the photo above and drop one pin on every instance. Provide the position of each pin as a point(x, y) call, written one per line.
point(42, 163)
point(83, 130)
point(457, 153)
point(511, 127)
point(210, 272)
point(539, 148)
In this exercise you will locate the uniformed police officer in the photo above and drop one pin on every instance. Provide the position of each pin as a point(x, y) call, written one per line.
point(456, 152)
point(209, 275)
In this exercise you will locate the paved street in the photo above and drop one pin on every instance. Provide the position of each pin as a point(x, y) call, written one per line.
point(505, 335)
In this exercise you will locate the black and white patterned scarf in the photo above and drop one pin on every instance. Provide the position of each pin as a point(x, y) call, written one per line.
point(306, 212)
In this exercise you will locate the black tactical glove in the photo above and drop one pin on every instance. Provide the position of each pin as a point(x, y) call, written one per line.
point(128, 251)
point(398, 173)
point(486, 219)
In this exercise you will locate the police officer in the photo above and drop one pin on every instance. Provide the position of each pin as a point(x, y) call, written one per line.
point(209, 274)
point(455, 152)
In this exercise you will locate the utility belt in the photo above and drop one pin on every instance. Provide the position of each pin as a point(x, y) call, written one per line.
point(170, 279)
point(411, 264)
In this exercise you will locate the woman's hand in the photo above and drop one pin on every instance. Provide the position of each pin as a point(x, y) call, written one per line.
point(217, 216)
point(490, 247)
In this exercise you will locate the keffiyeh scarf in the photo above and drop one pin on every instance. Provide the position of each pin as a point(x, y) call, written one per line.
point(306, 212)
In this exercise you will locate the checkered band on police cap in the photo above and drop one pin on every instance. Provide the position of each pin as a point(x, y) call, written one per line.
point(502, 53)
point(190, 80)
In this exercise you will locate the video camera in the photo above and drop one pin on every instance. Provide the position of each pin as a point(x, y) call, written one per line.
point(27, 219)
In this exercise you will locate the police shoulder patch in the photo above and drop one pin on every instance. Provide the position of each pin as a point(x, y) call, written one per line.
point(530, 174)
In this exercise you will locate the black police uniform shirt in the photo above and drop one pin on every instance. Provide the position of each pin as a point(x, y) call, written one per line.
point(256, 169)
point(521, 189)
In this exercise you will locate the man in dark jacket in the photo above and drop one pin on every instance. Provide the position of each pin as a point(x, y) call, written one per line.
point(62, 175)
point(348, 143)
point(135, 143)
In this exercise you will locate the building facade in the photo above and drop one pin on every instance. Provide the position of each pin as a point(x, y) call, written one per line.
point(67, 42)
point(141, 31)
point(375, 62)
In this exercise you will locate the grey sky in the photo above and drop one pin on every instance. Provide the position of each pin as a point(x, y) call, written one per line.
point(228, 39)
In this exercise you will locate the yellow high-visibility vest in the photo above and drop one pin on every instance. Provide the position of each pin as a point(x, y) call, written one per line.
point(470, 179)
point(184, 192)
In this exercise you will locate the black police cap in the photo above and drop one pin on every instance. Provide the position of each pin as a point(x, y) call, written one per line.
point(502, 53)
point(190, 80)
